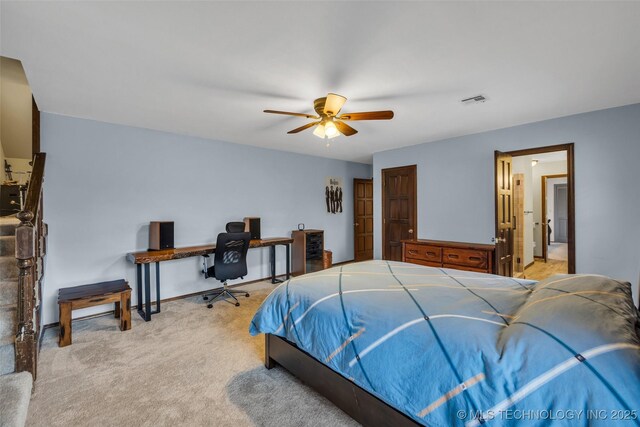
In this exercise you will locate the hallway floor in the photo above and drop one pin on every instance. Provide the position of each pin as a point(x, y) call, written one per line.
point(541, 270)
point(558, 251)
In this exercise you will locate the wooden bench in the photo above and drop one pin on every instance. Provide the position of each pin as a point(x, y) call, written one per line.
point(116, 291)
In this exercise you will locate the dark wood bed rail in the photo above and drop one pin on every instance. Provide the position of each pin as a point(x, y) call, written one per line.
point(358, 403)
point(30, 250)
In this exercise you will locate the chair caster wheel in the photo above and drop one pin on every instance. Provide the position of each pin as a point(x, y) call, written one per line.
point(237, 304)
point(246, 295)
point(209, 305)
point(205, 297)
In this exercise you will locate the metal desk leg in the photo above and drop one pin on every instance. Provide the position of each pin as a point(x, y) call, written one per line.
point(146, 312)
point(157, 288)
point(139, 285)
point(288, 246)
point(147, 293)
point(273, 263)
point(272, 255)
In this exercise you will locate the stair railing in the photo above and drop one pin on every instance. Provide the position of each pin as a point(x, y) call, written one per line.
point(30, 251)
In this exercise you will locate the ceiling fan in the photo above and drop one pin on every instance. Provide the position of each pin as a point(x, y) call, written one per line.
point(328, 123)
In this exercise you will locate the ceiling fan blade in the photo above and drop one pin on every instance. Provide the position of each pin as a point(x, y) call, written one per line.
point(344, 128)
point(369, 115)
point(286, 113)
point(333, 104)
point(301, 128)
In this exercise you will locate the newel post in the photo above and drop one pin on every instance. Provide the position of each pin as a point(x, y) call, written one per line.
point(26, 342)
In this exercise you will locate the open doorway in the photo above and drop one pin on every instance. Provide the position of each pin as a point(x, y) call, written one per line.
point(19, 136)
point(535, 226)
point(555, 214)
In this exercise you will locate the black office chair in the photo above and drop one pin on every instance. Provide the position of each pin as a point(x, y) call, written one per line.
point(230, 262)
point(235, 227)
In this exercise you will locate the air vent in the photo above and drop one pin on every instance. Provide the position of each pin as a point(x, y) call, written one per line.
point(474, 99)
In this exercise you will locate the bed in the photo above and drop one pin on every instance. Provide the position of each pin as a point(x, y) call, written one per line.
point(396, 344)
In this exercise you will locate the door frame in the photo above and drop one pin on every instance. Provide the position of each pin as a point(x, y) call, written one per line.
point(384, 203)
point(518, 226)
point(571, 196)
point(355, 197)
point(543, 193)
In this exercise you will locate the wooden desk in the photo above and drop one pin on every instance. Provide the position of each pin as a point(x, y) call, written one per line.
point(145, 258)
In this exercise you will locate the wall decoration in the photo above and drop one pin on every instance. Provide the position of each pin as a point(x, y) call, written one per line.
point(333, 194)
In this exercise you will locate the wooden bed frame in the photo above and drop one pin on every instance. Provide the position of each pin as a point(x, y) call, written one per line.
point(358, 403)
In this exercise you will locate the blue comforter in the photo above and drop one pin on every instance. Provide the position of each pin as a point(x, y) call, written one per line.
point(449, 347)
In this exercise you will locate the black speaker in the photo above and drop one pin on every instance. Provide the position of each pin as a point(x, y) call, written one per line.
point(160, 235)
point(252, 225)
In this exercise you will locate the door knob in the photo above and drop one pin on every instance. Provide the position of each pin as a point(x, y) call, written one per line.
point(500, 240)
point(356, 224)
point(411, 231)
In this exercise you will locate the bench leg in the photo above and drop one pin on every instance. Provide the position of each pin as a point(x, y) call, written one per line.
point(116, 312)
point(125, 310)
point(65, 324)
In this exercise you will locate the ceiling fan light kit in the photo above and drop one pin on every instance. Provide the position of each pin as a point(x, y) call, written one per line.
point(319, 131)
point(327, 130)
point(329, 124)
point(330, 129)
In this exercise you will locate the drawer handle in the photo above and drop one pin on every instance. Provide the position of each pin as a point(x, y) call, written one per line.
point(412, 252)
point(431, 253)
point(454, 256)
point(475, 258)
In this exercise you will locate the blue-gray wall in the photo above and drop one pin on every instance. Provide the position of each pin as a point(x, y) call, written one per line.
point(455, 185)
point(105, 182)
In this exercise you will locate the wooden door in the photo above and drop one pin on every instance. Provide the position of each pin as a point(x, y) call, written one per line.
point(504, 214)
point(518, 225)
point(399, 210)
point(363, 219)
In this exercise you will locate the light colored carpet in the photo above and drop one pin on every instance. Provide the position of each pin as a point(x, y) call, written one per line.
point(189, 366)
point(8, 293)
point(15, 391)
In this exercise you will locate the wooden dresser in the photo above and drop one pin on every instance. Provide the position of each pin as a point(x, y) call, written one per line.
point(462, 256)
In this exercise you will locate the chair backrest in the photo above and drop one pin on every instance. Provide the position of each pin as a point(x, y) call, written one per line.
point(230, 259)
point(235, 227)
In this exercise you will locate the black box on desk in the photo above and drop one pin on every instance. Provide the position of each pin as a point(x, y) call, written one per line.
point(160, 235)
point(252, 225)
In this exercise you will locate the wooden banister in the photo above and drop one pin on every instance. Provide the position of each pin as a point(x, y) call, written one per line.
point(34, 192)
point(30, 249)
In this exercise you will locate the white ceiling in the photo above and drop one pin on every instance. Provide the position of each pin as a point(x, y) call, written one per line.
point(210, 68)
point(554, 156)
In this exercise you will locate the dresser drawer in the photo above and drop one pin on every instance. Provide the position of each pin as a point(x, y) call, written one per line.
point(465, 258)
point(466, 268)
point(423, 262)
point(423, 252)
